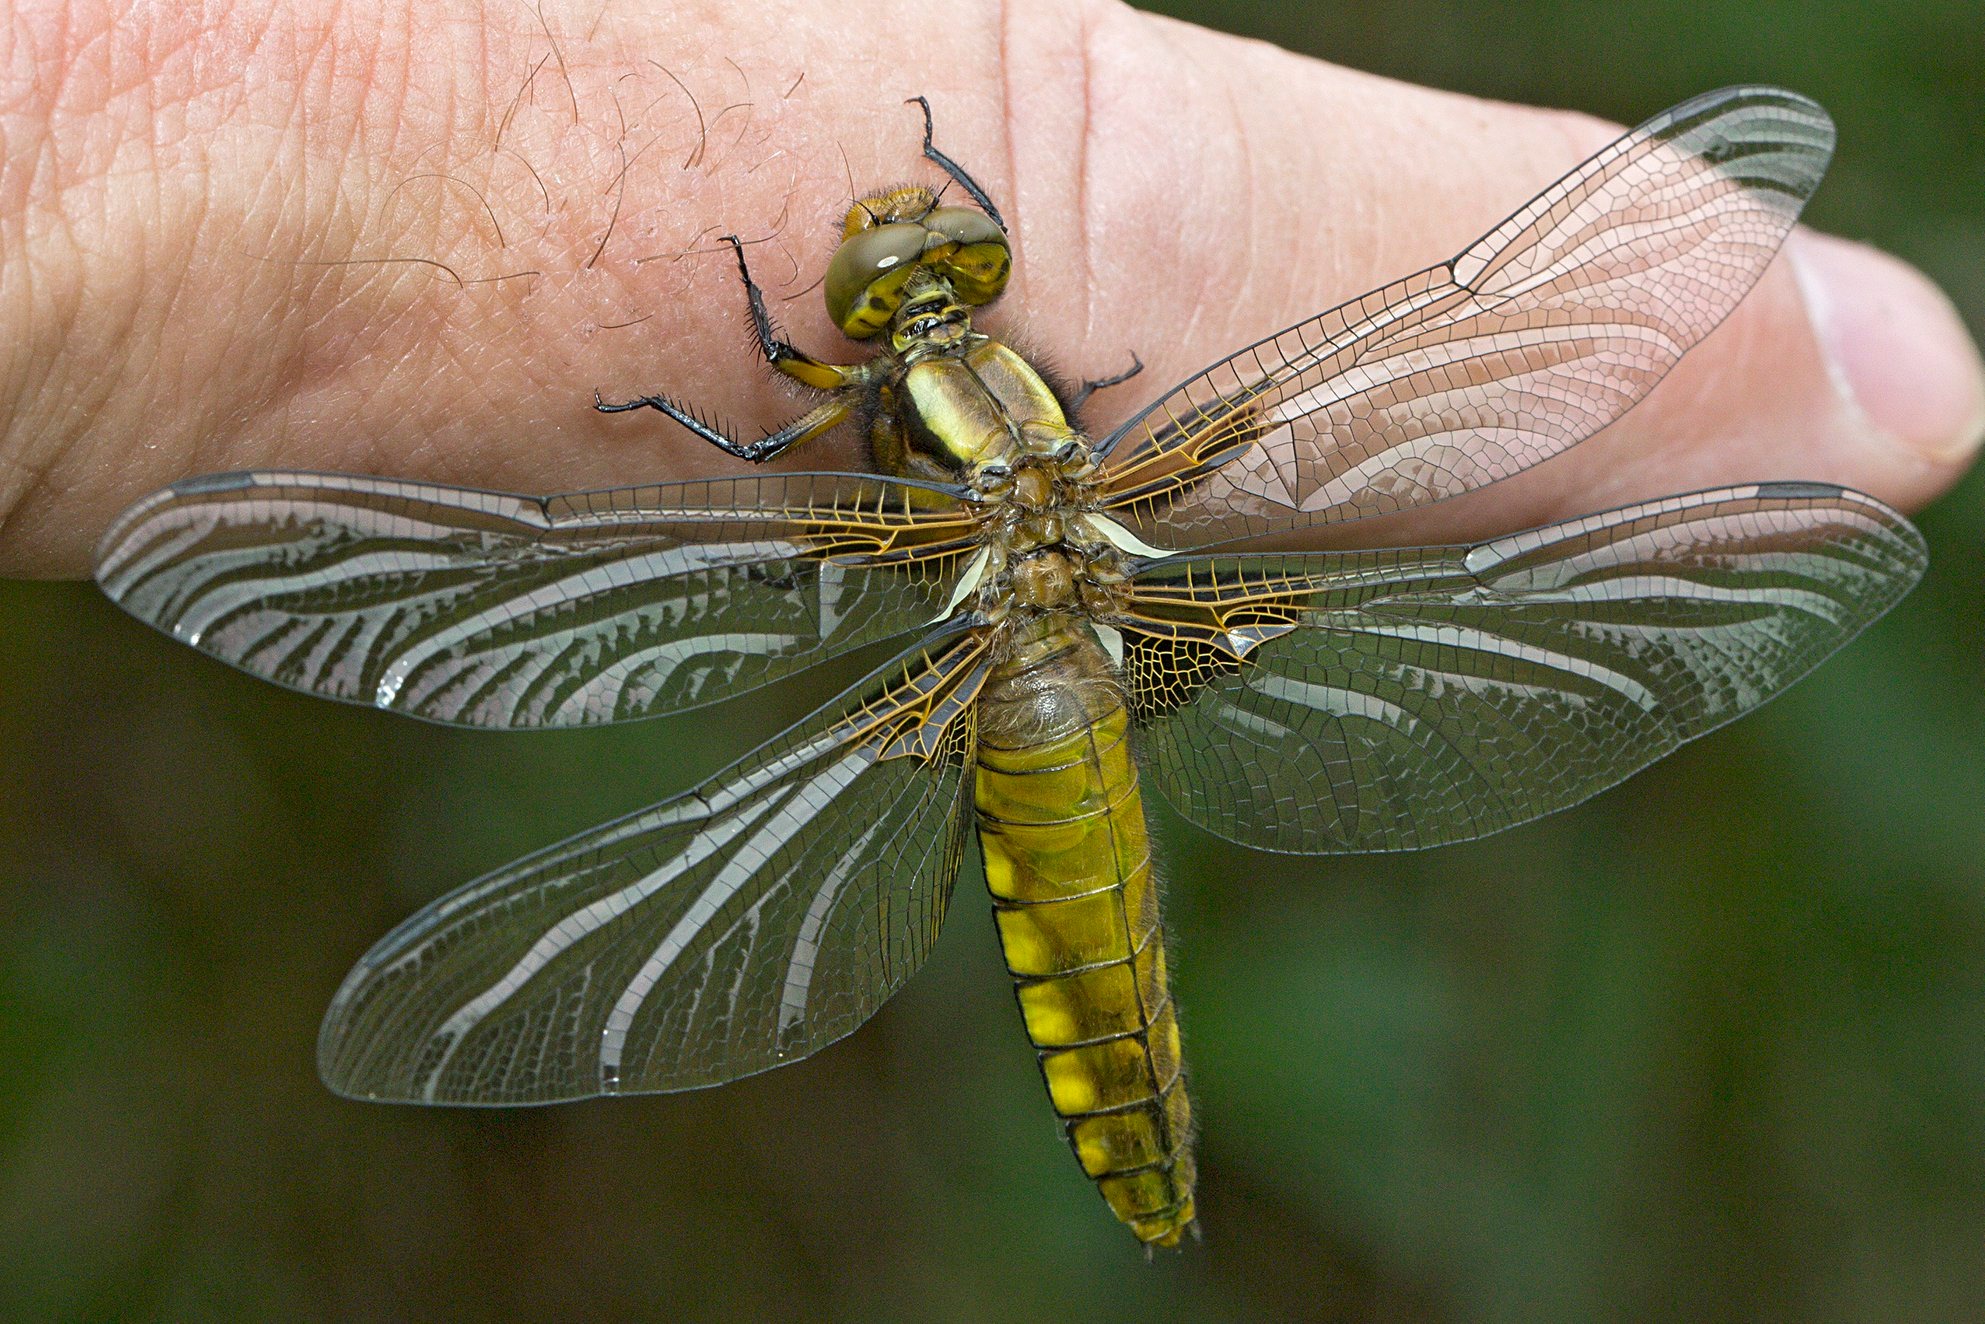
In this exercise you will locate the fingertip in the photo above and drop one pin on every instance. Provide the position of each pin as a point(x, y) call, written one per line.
point(1895, 348)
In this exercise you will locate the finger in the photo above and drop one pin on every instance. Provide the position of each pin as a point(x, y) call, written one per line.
point(1230, 213)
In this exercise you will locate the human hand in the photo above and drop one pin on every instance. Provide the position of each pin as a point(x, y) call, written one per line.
point(275, 234)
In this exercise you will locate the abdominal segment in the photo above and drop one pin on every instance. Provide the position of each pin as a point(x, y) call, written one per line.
point(1067, 857)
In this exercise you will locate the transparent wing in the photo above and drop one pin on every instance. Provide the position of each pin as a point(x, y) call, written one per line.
point(1403, 699)
point(1532, 339)
point(491, 610)
point(735, 928)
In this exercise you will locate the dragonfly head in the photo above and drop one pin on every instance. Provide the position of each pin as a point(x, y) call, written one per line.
point(889, 238)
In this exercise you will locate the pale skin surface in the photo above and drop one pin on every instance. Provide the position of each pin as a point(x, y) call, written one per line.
point(194, 202)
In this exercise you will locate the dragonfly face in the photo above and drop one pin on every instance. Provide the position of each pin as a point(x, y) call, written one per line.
point(1071, 620)
point(961, 255)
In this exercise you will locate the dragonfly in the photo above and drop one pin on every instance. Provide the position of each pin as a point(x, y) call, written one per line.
point(1061, 621)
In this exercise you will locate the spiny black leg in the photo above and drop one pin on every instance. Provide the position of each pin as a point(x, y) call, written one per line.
point(769, 344)
point(1090, 388)
point(808, 425)
point(953, 169)
point(788, 358)
point(795, 363)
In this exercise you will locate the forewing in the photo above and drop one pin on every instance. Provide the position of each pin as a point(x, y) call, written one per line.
point(493, 610)
point(738, 927)
point(1533, 338)
point(1397, 700)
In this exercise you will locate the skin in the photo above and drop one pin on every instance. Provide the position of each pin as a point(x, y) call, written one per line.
point(223, 233)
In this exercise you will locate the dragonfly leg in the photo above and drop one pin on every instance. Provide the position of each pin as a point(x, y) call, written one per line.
point(953, 169)
point(806, 427)
point(787, 357)
point(1093, 385)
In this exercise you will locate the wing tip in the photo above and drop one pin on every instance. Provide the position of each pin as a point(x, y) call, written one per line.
point(1898, 525)
point(107, 560)
point(1744, 96)
point(1813, 139)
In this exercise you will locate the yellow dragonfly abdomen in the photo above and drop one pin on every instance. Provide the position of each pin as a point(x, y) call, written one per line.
point(1068, 861)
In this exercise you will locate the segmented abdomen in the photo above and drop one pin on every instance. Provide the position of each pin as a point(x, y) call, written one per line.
point(1067, 856)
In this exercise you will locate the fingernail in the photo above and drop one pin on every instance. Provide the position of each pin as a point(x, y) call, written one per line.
point(1894, 346)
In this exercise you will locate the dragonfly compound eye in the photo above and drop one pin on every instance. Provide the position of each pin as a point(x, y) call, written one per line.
point(978, 259)
point(866, 278)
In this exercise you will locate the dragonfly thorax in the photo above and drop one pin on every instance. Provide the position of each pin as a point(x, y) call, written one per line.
point(1047, 548)
point(963, 404)
point(1044, 579)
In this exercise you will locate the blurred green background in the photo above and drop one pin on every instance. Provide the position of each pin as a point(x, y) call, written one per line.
point(1711, 1047)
